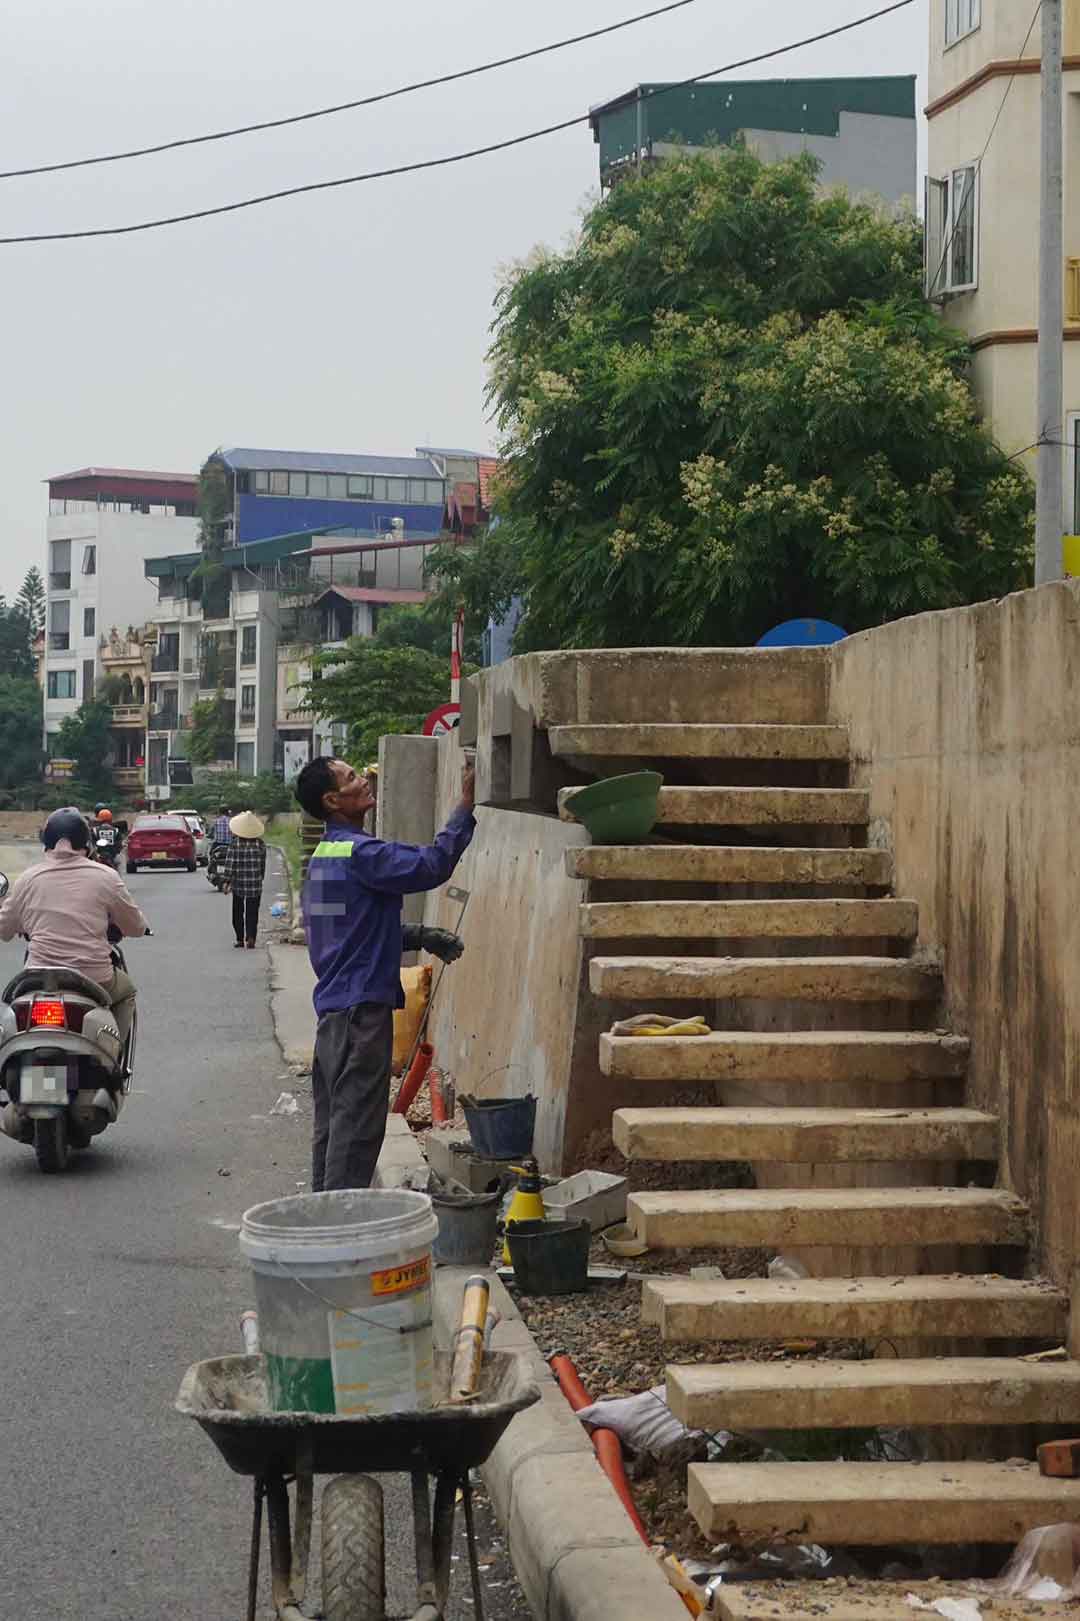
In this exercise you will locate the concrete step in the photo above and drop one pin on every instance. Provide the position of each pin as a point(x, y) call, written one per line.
point(797, 1218)
point(753, 807)
point(851, 1600)
point(891, 1056)
point(891, 1391)
point(802, 979)
point(751, 920)
point(729, 742)
point(877, 1503)
point(729, 864)
point(972, 1307)
point(806, 1136)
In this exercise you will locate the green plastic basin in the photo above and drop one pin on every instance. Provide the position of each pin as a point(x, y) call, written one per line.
point(619, 810)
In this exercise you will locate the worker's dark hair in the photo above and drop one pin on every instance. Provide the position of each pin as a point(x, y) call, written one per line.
point(316, 780)
point(223, 810)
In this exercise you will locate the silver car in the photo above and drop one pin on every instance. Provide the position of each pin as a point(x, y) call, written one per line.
point(198, 832)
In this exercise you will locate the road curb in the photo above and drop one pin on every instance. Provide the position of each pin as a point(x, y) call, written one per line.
point(573, 1548)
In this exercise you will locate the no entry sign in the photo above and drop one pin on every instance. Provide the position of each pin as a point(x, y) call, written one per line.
point(442, 720)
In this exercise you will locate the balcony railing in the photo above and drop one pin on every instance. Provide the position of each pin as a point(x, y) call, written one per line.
point(164, 720)
point(129, 776)
point(60, 582)
point(59, 641)
point(165, 663)
point(129, 714)
point(247, 717)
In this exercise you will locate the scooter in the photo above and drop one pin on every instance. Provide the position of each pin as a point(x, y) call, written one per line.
point(64, 1072)
point(215, 865)
point(107, 847)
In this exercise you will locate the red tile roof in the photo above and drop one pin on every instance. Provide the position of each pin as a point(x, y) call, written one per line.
point(486, 468)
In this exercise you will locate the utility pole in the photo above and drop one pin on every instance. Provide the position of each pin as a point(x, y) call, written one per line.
point(1050, 481)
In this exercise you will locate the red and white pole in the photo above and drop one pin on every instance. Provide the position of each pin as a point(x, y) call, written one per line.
point(456, 645)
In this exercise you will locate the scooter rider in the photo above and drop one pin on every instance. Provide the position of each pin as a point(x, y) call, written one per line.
point(65, 904)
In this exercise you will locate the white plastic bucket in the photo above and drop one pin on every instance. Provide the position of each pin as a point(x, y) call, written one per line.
point(343, 1290)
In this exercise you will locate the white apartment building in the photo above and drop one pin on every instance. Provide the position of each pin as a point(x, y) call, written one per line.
point(983, 216)
point(103, 523)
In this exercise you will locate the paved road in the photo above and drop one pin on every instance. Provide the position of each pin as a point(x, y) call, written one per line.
point(117, 1275)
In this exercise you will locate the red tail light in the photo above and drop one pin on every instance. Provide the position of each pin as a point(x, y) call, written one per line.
point(49, 1012)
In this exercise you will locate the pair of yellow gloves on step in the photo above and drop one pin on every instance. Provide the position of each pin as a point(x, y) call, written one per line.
point(658, 1024)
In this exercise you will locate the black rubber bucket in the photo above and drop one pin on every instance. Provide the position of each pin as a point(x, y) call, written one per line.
point(501, 1128)
point(550, 1257)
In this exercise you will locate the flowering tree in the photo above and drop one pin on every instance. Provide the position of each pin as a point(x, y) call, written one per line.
point(727, 405)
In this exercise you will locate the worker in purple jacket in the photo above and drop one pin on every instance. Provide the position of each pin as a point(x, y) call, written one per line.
point(352, 915)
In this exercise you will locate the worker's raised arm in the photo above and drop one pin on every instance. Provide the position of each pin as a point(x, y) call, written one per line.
point(408, 869)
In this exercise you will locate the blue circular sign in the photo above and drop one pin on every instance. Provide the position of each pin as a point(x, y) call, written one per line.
point(802, 633)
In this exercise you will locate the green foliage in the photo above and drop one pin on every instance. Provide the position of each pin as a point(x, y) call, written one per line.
point(20, 730)
point(428, 626)
point(16, 655)
point(376, 691)
point(85, 737)
point(214, 507)
point(485, 577)
point(729, 405)
point(31, 600)
point(212, 721)
point(264, 793)
point(111, 689)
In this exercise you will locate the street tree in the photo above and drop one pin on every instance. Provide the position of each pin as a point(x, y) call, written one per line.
point(86, 739)
point(727, 404)
point(374, 691)
point(31, 600)
point(20, 731)
point(16, 655)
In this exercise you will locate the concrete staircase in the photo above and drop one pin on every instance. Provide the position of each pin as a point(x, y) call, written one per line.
point(759, 904)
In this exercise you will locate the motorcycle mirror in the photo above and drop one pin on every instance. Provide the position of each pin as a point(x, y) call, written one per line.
point(4, 885)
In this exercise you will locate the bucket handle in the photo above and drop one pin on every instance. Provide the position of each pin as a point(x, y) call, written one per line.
point(387, 1328)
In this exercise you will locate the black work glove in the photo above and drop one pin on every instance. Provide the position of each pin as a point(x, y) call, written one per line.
point(442, 944)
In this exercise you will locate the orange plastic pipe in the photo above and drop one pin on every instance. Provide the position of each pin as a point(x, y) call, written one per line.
point(606, 1443)
point(414, 1080)
point(438, 1102)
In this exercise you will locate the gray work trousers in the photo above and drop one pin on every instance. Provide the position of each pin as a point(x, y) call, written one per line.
point(350, 1086)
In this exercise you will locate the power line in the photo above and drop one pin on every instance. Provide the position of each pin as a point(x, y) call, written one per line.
point(345, 106)
point(437, 163)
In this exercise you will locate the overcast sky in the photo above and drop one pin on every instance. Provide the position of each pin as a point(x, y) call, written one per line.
point(351, 320)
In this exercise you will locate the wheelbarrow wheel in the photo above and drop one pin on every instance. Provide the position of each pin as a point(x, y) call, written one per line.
point(353, 1561)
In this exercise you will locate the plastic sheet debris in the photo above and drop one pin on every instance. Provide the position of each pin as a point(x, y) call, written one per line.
point(706, 1274)
point(1045, 1564)
point(278, 909)
point(954, 1609)
point(644, 1424)
point(787, 1268)
point(286, 1104)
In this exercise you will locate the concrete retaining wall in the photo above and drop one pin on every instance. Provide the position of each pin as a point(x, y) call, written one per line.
point(966, 728)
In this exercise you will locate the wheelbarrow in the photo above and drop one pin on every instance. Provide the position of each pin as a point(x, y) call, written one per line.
point(228, 1397)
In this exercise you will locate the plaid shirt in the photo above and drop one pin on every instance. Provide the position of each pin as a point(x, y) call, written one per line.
point(245, 866)
point(220, 832)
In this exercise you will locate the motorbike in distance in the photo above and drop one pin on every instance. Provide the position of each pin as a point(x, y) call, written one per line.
point(64, 1071)
point(215, 865)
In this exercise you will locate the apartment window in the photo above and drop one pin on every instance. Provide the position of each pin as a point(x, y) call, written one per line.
point(417, 489)
point(378, 489)
point(297, 483)
point(60, 684)
point(279, 483)
point(247, 700)
point(60, 565)
point(359, 486)
point(262, 483)
point(249, 637)
point(245, 759)
point(317, 486)
point(396, 489)
point(952, 232)
point(961, 17)
point(59, 626)
point(338, 486)
point(89, 559)
point(88, 618)
point(88, 670)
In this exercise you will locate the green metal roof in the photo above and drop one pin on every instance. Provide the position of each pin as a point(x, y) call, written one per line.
point(706, 114)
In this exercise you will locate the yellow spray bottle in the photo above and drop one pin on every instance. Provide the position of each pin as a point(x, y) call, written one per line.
point(527, 1203)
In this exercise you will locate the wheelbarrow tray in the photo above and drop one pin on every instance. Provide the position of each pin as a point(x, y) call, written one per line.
point(228, 1397)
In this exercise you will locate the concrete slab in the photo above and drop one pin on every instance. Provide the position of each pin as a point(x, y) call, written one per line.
point(806, 1136)
point(975, 1306)
point(803, 1056)
point(877, 1503)
point(400, 1156)
point(740, 920)
point(804, 979)
point(753, 807)
point(840, 1599)
point(729, 864)
point(701, 742)
point(900, 1392)
point(780, 1218)
point(292, 982)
